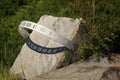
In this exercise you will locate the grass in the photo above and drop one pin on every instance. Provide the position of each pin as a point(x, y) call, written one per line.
point(5, 75)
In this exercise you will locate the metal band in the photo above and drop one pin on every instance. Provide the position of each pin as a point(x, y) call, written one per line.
point(41, 49)
point(44, 30)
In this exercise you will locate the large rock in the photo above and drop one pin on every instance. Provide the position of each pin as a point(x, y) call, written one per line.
point(112, 73)
point(30, 63)
point(90, 70)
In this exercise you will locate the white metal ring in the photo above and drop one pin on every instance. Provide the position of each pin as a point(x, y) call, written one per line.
point(45, 31)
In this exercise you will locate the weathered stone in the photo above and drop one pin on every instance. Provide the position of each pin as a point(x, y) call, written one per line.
point(112, 73)
point(30, 63)
point(90, 70)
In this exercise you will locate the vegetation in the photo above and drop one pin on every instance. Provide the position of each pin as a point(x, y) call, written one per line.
point(102, 17)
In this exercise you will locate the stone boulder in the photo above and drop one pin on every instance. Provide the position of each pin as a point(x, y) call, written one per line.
point(89, 70)
point(112, 73)
point(30, 63)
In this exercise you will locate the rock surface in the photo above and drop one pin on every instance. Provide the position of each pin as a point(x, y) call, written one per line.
point(112, 73)
point(90, 70)
point(30, 63)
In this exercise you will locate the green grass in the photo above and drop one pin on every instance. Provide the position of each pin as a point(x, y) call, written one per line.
point(102, 17)
point(5, 75)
